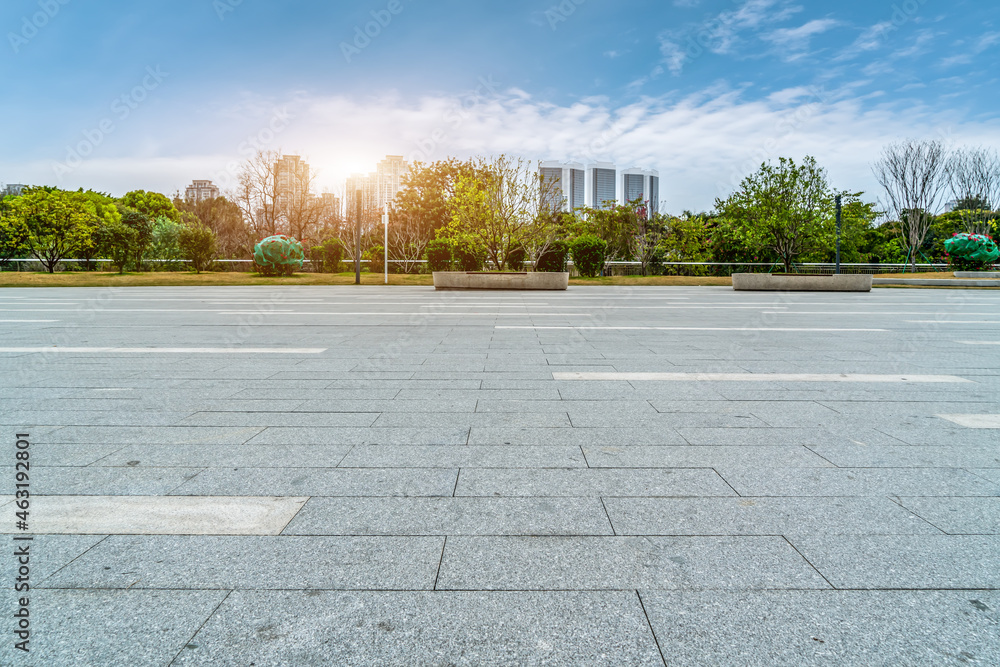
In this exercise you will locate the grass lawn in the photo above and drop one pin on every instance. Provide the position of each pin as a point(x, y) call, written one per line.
point(177, 278)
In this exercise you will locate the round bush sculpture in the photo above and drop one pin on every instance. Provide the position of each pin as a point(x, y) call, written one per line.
point(971, 252)
point(278, 255)
point(554, 257)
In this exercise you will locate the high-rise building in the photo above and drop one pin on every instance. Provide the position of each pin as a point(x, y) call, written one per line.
point(12, 189)
point(642, 184)
point(200, 191)
point(291, 180)
point(602, 180)
point(564, 185)
point(390, 173)
point(332, 204)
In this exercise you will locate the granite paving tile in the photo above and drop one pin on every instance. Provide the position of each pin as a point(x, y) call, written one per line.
point(856, 482)
point(426, 628)
point(958, 516)
point(449, 456)
point(623, 563)
point(591, 482)
point(451, 516)
point(701, 456)
point(319, 482)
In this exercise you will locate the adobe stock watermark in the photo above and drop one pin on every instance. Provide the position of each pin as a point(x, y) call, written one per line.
point(560, 13)
point(454, 117)
point(249, 147)
point(381, 18)
point(223, 7)
point(30, 25)
point(121, 108)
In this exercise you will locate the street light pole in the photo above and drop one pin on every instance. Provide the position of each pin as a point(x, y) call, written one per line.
point(838, 233)
point(385, 247)
point(357, 238)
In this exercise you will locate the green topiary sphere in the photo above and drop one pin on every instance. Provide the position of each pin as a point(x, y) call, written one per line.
point(278, 255)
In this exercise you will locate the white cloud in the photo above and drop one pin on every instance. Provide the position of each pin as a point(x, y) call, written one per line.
point(702, 144)
point(797, 39)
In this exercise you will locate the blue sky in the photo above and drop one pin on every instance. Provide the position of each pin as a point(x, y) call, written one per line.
point(121, 95)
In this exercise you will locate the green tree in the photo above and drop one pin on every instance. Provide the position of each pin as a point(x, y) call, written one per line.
point(106, 212)
point(151, 204)
point(143, 226)
point(13, 232)
point(439, 255)
point(687, 238)
point(589, 253)
point(58, 223)
point(117, 241)
point(197, 244)
point(164, 244)
point(501, 205)
point(785, 208)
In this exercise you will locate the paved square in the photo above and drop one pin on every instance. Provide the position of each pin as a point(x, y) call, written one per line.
point(604, 476)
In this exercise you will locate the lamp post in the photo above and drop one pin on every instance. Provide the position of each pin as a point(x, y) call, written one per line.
point(838, 234)
point(357, 238)
point(385, 246)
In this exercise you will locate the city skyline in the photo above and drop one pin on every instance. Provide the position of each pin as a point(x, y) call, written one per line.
point(706, 90)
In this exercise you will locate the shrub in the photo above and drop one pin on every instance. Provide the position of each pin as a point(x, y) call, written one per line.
point(971, 252)
point(118, 242)
point(278, 256)
point(198, 246)
point(553, 259)
point(375, 256)
point(516, 257)
point(469, 255)
point(165, 243)
point(439, 255)
point(588, 254)
point(326, 258)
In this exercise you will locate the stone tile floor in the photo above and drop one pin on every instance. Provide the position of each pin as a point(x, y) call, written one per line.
point(465, 507)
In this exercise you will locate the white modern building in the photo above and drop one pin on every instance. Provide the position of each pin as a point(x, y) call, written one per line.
point(12, 189)
point(641, 184)
point(602, 184)
point(200, 191)
point(565, 185)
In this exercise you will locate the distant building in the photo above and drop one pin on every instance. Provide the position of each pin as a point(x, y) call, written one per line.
point(13, 189)
point(390, 173)
point(950, 206)
point(565, 184)
point(367, 185)
point(291, 181)
point(332, 204)
point(642, 184)
point(200, 191)
point(602, 179)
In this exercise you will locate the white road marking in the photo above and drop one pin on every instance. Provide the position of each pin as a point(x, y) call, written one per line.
point(162, 515)
point(173, 350)
point(974, 421)
point(978, 342)
point(586, 328)
point(27, 321)
point(953, 321)
point(756, 377)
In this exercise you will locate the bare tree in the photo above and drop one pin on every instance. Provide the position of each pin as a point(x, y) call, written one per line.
point(914, 176)
point(256, 194)
point(974, 175)
point(408, 237)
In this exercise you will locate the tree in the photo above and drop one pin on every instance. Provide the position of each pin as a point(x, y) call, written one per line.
point(687, 238)
point(502, 207)
point(197, 245)
point(151, 204)
point(428, 192)
point(439, 255)
point(256, 194)
point(407, 239)
point(233, 238)
point(164, 245)
point(117, 241)
point(13, 232)
point(143, 227)
point(784, 208)
point(589, 253)
point(58, 223)
point(974, 177)
point(914, 176)
point(106, 211)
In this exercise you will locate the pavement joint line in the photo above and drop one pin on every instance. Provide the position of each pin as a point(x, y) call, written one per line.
point(201, 625)
point(757, 377)
point(626, 328)
point(829, 583)
point(656, 640)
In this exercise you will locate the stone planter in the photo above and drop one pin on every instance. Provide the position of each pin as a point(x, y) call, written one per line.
point(498, 280)
point(844, 282)
point(984, 275)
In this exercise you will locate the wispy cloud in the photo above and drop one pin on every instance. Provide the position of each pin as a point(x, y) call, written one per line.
point(798, 39)
point(702, 144)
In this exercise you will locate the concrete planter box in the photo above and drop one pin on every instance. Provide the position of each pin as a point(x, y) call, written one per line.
point(489, 280)
point(986, 275)
point(855, 282)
